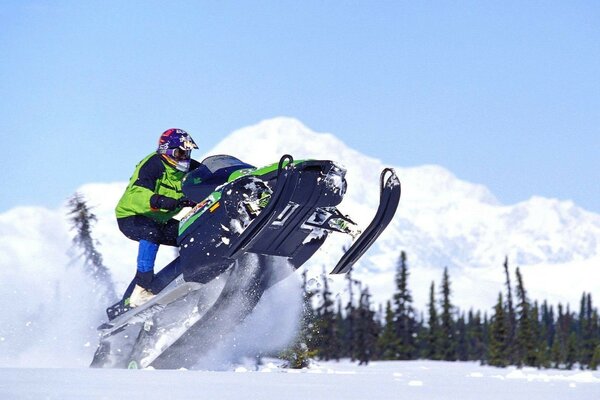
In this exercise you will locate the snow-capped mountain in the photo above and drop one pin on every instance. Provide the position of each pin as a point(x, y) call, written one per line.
point(441, 221)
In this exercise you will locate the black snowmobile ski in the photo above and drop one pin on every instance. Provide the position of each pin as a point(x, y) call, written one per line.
point(388, 203)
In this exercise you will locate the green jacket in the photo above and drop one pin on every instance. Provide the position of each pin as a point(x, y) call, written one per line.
point(152, 176)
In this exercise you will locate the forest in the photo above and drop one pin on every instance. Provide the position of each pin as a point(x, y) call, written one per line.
point(519, 331)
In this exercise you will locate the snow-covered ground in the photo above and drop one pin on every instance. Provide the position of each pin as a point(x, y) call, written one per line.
point(414, 380)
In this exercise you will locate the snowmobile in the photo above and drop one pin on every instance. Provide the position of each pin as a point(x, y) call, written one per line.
point(251, 227)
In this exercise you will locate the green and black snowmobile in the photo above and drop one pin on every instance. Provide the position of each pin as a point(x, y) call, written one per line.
point(251, 228)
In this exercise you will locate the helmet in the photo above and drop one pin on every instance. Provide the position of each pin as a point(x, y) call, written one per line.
point(175, 145)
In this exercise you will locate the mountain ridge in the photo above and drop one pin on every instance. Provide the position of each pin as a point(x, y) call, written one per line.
point(442, 221)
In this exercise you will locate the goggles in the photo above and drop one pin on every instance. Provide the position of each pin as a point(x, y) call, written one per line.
point(179, 154)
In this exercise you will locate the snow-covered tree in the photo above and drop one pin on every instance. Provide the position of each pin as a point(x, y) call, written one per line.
point(82, 219)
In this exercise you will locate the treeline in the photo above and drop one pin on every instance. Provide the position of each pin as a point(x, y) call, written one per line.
point(518, 331)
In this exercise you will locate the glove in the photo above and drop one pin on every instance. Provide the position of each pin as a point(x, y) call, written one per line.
point(183, 202)
point(160, 202)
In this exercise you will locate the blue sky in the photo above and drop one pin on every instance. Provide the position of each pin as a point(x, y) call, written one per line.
point(506, 94)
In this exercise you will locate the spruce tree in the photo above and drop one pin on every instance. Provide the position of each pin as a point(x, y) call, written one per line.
point(526, 343)
point(462, 344)
point(546, 335)
point(511, 320)
point(350, 320)
point(328, 341)
point(366, 330)
point(299, 353)
point(586, 337)
point(548, 323)
point(433, 333)
point(556, 353)
point(475, 335)
point(595, 362)
point(341, 330)
point(447, 338)
point(571, 354)
point(540, 349)
point(404, 313)
point(485, 327)
point(388, 341)
point(82, 219)
point(559, 344)
point(421, 335)
point(309, 318)
point(498, 347)
point(595, 329)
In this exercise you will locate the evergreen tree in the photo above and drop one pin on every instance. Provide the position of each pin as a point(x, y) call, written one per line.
point(349, 339)
point(308, 316)
point(299, 353)
point(485, 327)
point(328, 341)
point(82, 219)
point(404, 313)
point(571, 354)
point(587, 341)
point(595, 362)
point(595, 332)
point(341, 330)
point(542, 353)
point(388, 341)
point(433, 333)
point(462, 344)
point(447, 338)
point(559, 344)
point(475, 335)
point(556, 353)
point(546, 336)
point(421, 336)
point(511, 320)
point(498, 348)
point(548, 323)
point(526, 343)
point(366, 330)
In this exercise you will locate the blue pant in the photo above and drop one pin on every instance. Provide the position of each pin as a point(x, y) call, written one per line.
point(150, 234)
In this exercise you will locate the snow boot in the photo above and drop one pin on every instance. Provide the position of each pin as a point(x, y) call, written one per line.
point(139, 296)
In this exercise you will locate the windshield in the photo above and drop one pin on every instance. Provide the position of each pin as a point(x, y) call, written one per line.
point(212, 172)
point(214, 164)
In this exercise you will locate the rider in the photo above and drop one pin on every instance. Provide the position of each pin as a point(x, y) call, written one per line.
point(153, 197)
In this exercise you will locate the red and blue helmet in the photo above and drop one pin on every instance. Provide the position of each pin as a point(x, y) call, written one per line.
point(175, 145)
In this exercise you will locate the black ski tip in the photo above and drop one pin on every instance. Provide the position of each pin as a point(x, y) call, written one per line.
point(388, 204)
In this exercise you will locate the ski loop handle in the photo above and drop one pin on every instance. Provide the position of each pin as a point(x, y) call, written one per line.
point(282, 161)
